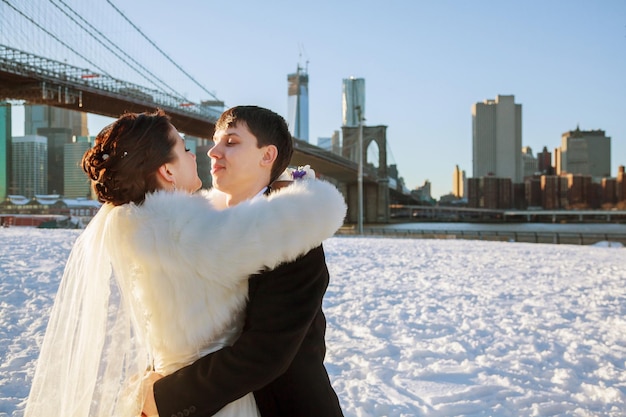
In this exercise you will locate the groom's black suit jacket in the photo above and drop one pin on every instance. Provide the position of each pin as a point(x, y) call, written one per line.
point(279, 354)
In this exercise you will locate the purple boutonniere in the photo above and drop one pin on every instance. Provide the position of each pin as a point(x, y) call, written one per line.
point(298, 174)
point(301, 173)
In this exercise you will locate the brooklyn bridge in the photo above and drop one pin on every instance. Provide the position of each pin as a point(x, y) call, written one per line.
point(42, 61)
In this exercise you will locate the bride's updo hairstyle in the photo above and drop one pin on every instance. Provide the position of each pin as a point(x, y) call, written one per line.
point(126, 156)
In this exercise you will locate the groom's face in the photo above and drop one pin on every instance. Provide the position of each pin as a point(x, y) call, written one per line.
point(237, 163)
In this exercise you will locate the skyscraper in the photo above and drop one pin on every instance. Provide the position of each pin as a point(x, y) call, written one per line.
point(497, 138)
point(530, 164)
point(58, 125)
point(57, 137)
point(76, 184)
point(325, 143)
point(201, 146)
point(30, 165)
point(353, 101)
point(41, 116)
point(298, 104)
point(458, 182)
point(544, 162)
point(204, 165)
point(585, 152)
point(621, 184)
point(5, 149)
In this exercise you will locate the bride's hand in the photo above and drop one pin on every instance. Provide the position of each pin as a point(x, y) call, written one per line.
point(149, 405)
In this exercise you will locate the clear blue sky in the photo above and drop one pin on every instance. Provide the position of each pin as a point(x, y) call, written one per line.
point(424, 62)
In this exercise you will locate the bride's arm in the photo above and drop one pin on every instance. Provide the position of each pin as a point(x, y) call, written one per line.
point(265, 232)
point(238, 241)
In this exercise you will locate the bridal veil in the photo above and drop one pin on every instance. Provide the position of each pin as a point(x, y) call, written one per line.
point(90, 362)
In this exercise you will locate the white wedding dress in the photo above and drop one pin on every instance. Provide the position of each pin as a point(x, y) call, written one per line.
point(179, 293)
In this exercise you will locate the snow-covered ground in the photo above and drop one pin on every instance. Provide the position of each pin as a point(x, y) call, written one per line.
point(415, 327)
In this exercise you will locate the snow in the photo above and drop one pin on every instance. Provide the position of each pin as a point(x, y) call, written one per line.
point(415, 327)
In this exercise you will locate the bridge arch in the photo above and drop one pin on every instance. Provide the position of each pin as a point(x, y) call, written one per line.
point(375, 192)
point(373, 155)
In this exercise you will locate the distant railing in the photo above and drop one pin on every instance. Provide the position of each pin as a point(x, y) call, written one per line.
point(419, 213)
point(571, 238)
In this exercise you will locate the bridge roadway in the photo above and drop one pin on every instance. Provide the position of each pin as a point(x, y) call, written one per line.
point(25, 76)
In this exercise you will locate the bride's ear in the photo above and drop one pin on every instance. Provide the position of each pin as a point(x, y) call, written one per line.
point(164, 176)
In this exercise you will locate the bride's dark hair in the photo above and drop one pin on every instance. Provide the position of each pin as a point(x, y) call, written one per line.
point(124, 160)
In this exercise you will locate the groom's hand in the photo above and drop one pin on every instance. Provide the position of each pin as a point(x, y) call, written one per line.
point(149, 405)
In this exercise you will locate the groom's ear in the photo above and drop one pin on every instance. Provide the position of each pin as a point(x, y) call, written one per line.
point(269, 155)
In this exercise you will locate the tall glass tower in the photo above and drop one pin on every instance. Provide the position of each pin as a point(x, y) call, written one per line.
point(30, 165)
point(57, 137)
point(38, 116)
point(76, 184)
point(5, 149)
point(353, 101)
point(298, 104)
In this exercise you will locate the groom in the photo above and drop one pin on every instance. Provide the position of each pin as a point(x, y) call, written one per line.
point(280, 353)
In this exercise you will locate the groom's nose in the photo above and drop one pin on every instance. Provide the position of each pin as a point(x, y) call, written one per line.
point(213, 151)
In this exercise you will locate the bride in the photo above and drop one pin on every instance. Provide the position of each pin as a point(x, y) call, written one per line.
point(159, 276)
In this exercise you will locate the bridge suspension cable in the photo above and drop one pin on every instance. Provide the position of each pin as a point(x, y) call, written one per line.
point(166, 56)
point(90, 31)
point(52, 35)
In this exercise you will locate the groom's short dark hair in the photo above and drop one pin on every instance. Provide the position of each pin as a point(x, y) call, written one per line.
point(268, 127)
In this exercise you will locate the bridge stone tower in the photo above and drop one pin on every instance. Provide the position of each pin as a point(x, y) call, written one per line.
point(375, 179)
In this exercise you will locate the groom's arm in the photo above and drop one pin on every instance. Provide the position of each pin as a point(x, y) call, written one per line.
point(279, 315)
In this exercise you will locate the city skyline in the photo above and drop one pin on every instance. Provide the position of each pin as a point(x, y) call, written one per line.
point(46, 162)
point(425, 65)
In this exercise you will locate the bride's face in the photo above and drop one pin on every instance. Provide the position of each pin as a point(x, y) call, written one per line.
point(184, 168)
